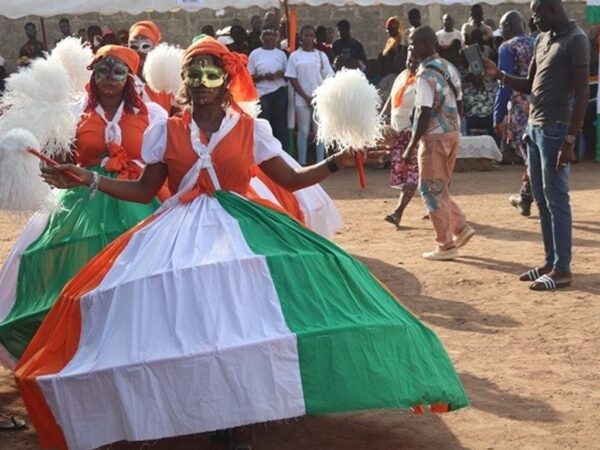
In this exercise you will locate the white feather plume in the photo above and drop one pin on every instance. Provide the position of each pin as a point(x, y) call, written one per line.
point(162, 69)
point(253, 109)
point(75, 58)
point(38, 99)
point(21, 188)
point(347, 111)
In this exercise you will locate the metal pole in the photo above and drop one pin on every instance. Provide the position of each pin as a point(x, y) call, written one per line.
point(286, 7)
point(44, 38)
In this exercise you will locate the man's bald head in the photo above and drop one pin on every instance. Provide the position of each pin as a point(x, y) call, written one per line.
point(422, 42)
point(511, 24)
point(425, 34)
point(448, 22)
point(549, 14)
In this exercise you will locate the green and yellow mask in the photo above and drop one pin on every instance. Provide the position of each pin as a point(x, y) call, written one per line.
point(203, 74)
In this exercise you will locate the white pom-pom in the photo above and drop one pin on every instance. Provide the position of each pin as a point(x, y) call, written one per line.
point(347, 111)
point(75, 58)
point(162, 69)
point(38, 99)
point(21, 188)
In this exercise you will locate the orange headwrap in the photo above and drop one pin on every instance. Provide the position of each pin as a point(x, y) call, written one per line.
point(147, 29)
point(241, 85)
point(125, 54)
point(392, 21)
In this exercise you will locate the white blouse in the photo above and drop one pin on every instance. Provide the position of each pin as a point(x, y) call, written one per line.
point(400, 117)
point(266, 146)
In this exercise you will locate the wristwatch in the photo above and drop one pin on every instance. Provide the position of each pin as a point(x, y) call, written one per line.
point(570, 139)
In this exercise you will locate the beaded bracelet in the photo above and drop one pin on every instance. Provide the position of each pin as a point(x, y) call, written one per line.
point(93, 187)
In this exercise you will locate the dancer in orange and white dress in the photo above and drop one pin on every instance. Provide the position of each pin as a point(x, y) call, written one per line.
point(144, 36)
point(54, 246)
point(220, 310)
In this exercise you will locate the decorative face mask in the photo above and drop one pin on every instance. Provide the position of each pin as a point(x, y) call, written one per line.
point(141, 44)
point(203, 74)
point(110, 68)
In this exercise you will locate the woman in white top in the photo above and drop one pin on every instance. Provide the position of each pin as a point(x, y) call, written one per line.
point(404, 175)
point(267, 64)
point(306, 70)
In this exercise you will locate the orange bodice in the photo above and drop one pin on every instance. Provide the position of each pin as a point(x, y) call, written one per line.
point(232, 160)
point(232, 157)
point(91, 147)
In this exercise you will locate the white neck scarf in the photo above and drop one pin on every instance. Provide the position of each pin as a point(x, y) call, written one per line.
point(112, 132)
point(204, 161)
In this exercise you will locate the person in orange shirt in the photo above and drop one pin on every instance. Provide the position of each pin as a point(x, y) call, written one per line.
point(218, 311)
point(143, 37)
point(53, 247)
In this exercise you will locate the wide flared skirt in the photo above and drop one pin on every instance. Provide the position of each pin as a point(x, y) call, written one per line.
point(50, 251)
point(220, 313)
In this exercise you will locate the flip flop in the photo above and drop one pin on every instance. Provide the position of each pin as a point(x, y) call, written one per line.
point(545, 283)
point(533, 274)
point(12, 424)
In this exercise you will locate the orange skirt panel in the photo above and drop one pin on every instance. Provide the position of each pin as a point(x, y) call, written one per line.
point(57, 340)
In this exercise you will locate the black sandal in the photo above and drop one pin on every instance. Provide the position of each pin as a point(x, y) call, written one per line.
point(545, 283)
point(13, 424)
point(534, 274)
point(393, 219)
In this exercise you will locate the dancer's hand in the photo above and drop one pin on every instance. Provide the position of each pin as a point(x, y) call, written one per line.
point(56, 176)
point(346, 158)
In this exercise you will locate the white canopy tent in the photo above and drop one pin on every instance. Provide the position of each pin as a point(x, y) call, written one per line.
point(15, 9)
point(396, 2)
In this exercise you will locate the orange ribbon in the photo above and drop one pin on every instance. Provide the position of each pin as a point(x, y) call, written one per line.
point(407, 80)
point(120, 162)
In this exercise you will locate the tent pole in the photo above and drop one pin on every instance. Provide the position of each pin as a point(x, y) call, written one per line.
point(44, 38)
point(286, 7)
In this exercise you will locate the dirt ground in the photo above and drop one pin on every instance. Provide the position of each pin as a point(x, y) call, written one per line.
point(529, 361)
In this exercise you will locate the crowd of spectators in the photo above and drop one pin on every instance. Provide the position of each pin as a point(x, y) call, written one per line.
point(275, 66)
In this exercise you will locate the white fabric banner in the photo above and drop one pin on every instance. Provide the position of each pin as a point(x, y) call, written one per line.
point(20, 8)
point(395, 2)
point(16, 9)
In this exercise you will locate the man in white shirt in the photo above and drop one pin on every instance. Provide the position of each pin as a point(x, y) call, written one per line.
point(267, 64)
point(475, 22)
point(448, 34)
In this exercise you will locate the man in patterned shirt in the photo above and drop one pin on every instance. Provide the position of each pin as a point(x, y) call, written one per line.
point(510, 122)
point(436, 134)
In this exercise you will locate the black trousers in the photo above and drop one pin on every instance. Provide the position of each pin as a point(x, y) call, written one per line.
point(274, 109)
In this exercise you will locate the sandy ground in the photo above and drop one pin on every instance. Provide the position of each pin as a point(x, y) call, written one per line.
point(529, 361)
